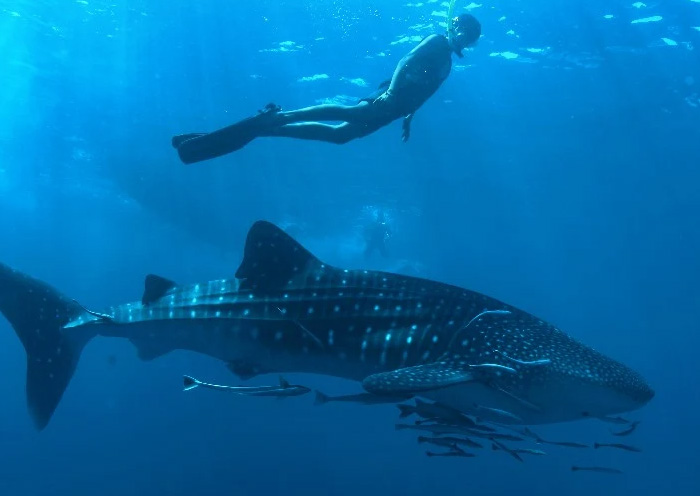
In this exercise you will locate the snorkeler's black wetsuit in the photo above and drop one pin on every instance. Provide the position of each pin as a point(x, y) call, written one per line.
point(417, 77)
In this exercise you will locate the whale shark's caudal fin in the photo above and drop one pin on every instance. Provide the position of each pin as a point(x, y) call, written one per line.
point(38, 313)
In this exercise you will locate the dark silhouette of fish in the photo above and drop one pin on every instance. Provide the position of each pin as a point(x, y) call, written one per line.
point(281, 390)
point(287, 311)
point(454, 452)
point(625, 447)
point(628, 431)
point(602, 470)
point(361, 398)
point(450, 441)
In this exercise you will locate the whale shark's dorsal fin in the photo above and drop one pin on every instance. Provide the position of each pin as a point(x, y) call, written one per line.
point(272, 258)
point(155, 288)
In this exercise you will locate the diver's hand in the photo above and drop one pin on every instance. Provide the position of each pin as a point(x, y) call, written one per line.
point(406, 127)
point(382, 98)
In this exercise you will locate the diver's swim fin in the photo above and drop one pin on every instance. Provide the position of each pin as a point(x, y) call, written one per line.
point(197, 147)
point(181, 138)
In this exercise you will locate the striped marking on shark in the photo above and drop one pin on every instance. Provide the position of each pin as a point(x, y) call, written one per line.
point(286, 311)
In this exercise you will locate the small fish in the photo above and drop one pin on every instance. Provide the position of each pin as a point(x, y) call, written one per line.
point(499, 446)
point(530, 451)
point(491, 435)
point(427, 421)
point(437, 420)
point(496, 412)
point(449, 442)
point(432, 428)
point(451, 453)
point(609, 420)
point(361, 398)
point(454, 440)
point(284, 388)
point(602, 470)
point(436, 411)
point(439, 441)
point(568, 444)
point(625, 447)
point(628, 431)
point(526, 451)
point(528, 433)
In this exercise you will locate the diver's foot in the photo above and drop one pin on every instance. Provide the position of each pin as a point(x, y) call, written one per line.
point(197, 147)
point(270, 108)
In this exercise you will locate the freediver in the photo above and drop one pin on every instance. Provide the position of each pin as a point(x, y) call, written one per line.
point(417, 77)
point(376, 236)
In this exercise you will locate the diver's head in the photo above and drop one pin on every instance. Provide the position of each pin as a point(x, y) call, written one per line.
point(464, 31)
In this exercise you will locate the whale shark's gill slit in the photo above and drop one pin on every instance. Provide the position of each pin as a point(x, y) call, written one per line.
point(493, 367)
point(306, 331)
point(474, 319)
point(517, 398)
point(531, 363)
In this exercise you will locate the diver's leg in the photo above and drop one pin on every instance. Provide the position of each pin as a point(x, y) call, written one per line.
point(338, 134)
point(328, 112)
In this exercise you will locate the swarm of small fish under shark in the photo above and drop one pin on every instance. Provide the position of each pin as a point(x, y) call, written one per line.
point(451, 429)
point(446, 427)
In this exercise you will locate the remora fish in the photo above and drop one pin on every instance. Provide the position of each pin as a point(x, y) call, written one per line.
point(527, 451)
point(628, 431)
point(503, 447)
point(608, 419)
point(457, 452)
point(625, 447)
point(449, 441)
point(281, 390)
point(567, 444)
point(602, 470)
point(286, 311)
point(439, 429)
point(436, 412)
point(361, 398)
point(497, 414)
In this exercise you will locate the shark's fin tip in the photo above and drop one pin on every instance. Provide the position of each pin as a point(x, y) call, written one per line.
point(189, 382)
point(155, 287)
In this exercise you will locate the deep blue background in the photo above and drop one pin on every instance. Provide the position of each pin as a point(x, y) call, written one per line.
point(564, 182)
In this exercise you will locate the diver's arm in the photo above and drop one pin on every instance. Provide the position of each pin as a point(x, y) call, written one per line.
point(407, 127)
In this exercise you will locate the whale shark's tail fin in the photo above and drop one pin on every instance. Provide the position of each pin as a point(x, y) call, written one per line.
point(38, 313)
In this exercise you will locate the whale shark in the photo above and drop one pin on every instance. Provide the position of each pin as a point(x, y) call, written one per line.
point(284, 310)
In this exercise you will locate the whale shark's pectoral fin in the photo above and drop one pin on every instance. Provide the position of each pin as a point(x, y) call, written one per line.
point(245, 369)
point(149, 349)
point(155, 288)
point(416, 379)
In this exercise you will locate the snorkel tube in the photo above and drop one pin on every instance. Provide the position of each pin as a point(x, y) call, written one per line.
point(450, 17)
point(450, 27)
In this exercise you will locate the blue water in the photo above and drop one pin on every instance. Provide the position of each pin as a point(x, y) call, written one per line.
point(556, 169)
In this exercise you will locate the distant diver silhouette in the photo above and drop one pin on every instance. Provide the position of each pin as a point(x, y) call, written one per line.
point(376, 236)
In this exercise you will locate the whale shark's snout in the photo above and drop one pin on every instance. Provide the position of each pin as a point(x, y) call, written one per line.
point(636, 388)
point(608, 386)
